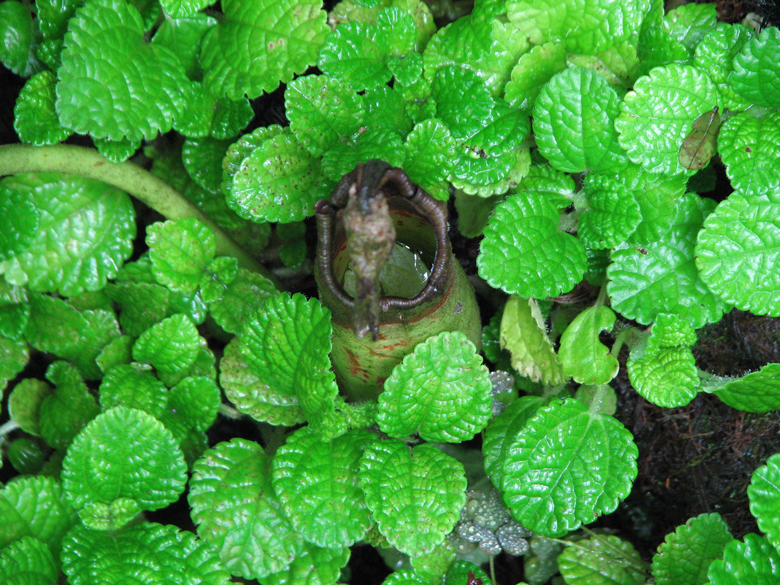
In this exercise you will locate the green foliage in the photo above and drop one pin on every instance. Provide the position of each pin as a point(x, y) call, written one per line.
point(567, 131)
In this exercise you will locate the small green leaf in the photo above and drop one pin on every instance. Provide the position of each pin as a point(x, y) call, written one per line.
point(278, 181)
point(183, 8)
point(171, 346)
point(585, 26)
point(84, 235)
point(715, 54)
point(452, 87)
point(582, 355)
point(524, 334)
point(736, 253)
point(183, 36)
point(236, 511)
point(764, 495)
point(38, 507)
point(686, 554)
point(179, 251)
point(14, 355)
point(374, 143)
point(756, 75)
point(430, 150)
point(106, 61)
point(28, 560)
point(613, 213)
point(147, 553)
point(750, 148)
point(317, 483)
point(25, 401)
point(415, 494)
point(313, 566)
point(133, 386)
point(256, 46)
point(141, 305)
point(113, 516)
point(566, 467)
point(656, 116)
point(689, 23)
point(532, 72)
point(202, 158)
point(662, 276)
point(441, 390)
point(574, 122)
point(753, 561)
point(68, 409)
point(756, 392)
point(117, 151)
point(458, 573)
point(602, 559)
point(17, 29)
point(524, 252)
point(35, 119)
point(124, 453)
point(14, 310)
point(196, 399)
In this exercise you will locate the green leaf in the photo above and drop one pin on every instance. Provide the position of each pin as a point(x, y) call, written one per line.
point(532, 72)
point(750, 147)
point(430, 150)
point(441, 391)
point(701, 142)
point(585, 26)
point(756, 392)
point(566, 467)
point(753, 561)
point(179, 251)
point(118, 351)
point(134, 386)
point(146, 553)
point(374, 143)
point(613, 213)
point(686, 554)
point(35, 119)
point(736, 253)
point(183, 8)
point(117, 151)
point(196, 399)
point(68, 409)
point(764, 495)
point(415, 494)
point(602, 559)
point(236, 511)
point(452, 87)
point(662, 276)
point(574, 122)
point(313, 566)
point(141, 305)
point(14, 355)
point(23, 218)
point(488, 47)
point(582, 355)
point(286, 345)
point(524, 334)
point(252, 396)
point(38, 507)
point(202, 158)
point(171, 345)
point(124, 453)
point(183, 36)
point(458, 573)
point(14, 310)
point(25, 401)
point(17, 29)
point(28, 560)
point(756, 75)
point(525, 253)
point(715, 54)
point(657, 115)
point(317, 483)
point(662, 368)
point(106, 61)
point(256, 46)
point(278, 181)
point(689, 23)
point(84, 234)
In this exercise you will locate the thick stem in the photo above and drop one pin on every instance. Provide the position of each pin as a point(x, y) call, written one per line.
point(129, 177)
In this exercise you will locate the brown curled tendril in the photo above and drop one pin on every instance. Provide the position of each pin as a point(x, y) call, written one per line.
point(392, 181)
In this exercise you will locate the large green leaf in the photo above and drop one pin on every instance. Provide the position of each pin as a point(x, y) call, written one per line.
point(753, 560)
point(756, 75)
point(756, 392)
point(28, 560)
point(764, 495)
point(602, 560)
point(750, 148)
point(35, 118)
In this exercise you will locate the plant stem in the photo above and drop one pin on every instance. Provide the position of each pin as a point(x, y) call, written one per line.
point(129, 177)
point(7, 427)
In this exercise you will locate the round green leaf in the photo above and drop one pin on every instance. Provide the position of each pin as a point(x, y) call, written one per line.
point(602, 559)
point(170, 346)
point(35, 119)
point(141, 305)
point(124, 453)
point(202, 158)
point(566, 467)
point(237, 512)
point(756, 75)
point(17, 49)
point(687, 553)
point(756, 392)
point(106, 61)
point(430, 150)
point(441, 390)
point(197, 400)
point(25, 402)
point(278, 181)
point(737, 254)
point(524, 252)
point(452, 87)
point(14, 310)
point(313, 566)
point(68, 409)
point(415, 494)
point(85, 233)
point(764, 495)
point(753, 561)
point(133, 386)
point(146, 554)
point(532, 72)
point(715, 54)
point(179, 251)
point(28, 561)
point(355, 52)
point(613, 214)
point(657, 115)
point(317, 483)
point(573, 122)
point(750, 149)
point(258, 45)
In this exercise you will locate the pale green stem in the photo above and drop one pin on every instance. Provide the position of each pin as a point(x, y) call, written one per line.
point(6, 428)
point(129, 177)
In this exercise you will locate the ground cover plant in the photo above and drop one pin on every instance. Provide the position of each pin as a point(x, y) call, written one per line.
point(171, 410)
